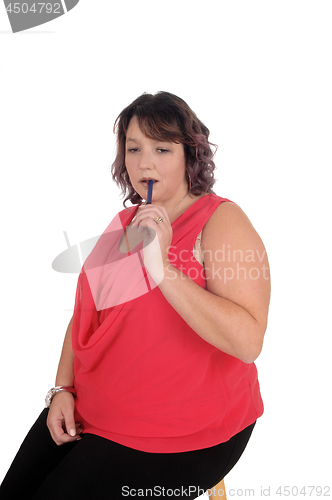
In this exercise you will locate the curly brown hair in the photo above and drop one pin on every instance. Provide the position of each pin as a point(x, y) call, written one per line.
point(166, 117)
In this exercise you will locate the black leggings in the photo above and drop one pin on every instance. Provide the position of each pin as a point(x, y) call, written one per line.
point(96, 468)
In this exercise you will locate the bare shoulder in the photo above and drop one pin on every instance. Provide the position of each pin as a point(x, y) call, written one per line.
point(235, 260)
point(229, 222)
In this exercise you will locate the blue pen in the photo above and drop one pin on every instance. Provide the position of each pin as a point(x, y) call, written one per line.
point(149, 198)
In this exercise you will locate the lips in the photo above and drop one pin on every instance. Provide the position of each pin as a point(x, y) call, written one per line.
point(145, 181)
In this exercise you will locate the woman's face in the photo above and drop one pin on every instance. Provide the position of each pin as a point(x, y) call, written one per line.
point(163, 162)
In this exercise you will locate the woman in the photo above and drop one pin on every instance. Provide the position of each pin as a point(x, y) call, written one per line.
point(156, 391)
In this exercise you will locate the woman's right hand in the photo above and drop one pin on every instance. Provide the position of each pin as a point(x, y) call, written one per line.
point(60, 419)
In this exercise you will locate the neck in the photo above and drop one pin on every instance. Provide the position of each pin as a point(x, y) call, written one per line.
point(187, 201)
point(173, 205)
point(178, 203)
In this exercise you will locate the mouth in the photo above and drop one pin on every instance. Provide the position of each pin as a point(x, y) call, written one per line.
point(145, 181)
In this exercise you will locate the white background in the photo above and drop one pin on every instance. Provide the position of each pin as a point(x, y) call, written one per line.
point(258, 74)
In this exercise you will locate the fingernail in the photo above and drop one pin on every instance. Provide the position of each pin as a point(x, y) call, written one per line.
point(72, 432)
point(78, 439)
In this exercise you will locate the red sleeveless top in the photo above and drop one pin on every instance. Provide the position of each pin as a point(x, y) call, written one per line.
point(143, 377)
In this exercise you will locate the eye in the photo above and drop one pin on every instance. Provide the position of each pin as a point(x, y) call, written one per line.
point(132, 150)
point(163, 150)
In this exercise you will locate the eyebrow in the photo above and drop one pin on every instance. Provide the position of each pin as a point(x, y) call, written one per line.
point(155, 140)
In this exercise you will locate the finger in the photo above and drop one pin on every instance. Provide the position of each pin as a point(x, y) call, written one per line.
point(148, 220)
point(152, 211)
point(150, 206)
point(70, 424)
point(57, 433)
point(56, 426)
point(60, 437)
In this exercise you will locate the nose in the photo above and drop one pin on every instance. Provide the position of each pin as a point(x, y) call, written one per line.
point(145, 161)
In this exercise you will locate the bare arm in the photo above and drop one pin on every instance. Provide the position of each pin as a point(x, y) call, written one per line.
point(65, 373)
point(232, 313)
point(60, 419)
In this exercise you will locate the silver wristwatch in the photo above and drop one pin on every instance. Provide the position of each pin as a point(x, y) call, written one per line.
point(55, 390)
